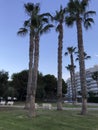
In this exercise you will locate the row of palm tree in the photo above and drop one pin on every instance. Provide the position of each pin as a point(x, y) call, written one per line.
point(71, 68)
point(38, 24)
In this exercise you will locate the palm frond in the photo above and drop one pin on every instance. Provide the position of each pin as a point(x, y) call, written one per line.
point(66, 53)
point(45, 20)
point(89, 13)
point(84, 4)
point(69, 20)
point(59, 15)
point(37, 8)
point(22, 32)
point(57, 28)
point(88, 57)
point(46, 14)
point(26, 23)
point(32, 8)
point(29, 7)
point(77, 59)
point(46, 29)
point(70, 67)
point(87, 23)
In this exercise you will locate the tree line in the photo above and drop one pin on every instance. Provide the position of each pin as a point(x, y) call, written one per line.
point(17, 86)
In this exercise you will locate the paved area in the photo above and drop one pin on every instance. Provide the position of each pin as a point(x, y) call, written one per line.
point(54, 108)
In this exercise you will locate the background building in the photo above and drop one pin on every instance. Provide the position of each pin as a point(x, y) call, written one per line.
point(91, 84)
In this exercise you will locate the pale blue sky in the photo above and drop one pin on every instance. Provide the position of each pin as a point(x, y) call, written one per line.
point(14, 49)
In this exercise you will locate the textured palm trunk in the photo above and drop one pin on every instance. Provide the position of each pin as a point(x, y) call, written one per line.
point(73, 80)
point(31, 49)
point(71, 83)
point(82, 67)
point(59, 82)
point(32, 111)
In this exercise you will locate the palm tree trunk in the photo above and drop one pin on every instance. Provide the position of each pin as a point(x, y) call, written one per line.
point(71, 75)
point(31, 48)
point(32, 112)
point(59, 82)
point(73, 80)
point(82, 67)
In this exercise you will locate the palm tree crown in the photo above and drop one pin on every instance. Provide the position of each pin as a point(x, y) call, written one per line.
point(77, 9)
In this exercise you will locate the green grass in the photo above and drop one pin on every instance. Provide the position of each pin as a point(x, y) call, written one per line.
point(13, 119)
point(70, 105)
point(78, 105)
point(67, 105)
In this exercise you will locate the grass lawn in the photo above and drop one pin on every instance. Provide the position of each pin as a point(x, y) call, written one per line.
point(16, 119)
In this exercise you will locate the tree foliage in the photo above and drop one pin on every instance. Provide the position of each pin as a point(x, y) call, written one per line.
point(3, 82)
point(19, 83)
point(46, 86)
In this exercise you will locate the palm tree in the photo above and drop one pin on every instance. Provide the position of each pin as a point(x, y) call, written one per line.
point(31, 10)
point(95, 77)
point(71, 51)
point(59, 18)
point(37, 25)
point(77, 12)
point(41, 26)
point(70, 69)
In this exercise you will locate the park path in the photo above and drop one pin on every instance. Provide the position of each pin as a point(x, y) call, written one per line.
point(90, 107)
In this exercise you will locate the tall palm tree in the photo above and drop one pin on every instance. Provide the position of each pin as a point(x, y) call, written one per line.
point(41, 26)
point(70, 69)
point(77, 12)
point(37, 25)
point(71, 52)
point(31, 10)
point(59, 18)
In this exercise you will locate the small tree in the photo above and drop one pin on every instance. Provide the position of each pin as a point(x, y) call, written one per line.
point(3, 82)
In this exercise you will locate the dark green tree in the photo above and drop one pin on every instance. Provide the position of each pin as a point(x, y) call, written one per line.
point(10, 91)
point(3, 83)
point(19, 83)
point(50, 86)
point(64, 87)
point(40, 92)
